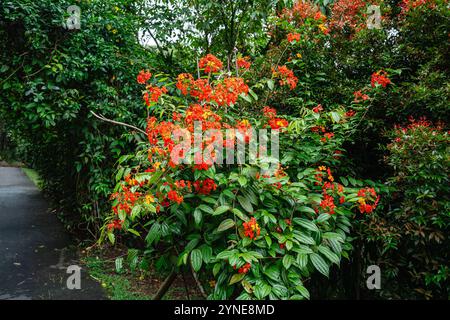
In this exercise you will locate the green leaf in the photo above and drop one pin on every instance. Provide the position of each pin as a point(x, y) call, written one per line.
point(236, 278)
point(302, 260)
point(206, 208)
point(335, 116)
point(288, 260)
point(225, 224)
point(303, 238)
point(333, 235)
point(306, 209)
point(303, 291)
point(323, 217)
point(319, 264)
point(196, 259)
point(134, 232)
point(273, 273)
point(306, 224)
point(329, 254)
point(198, 216)
point(111, 237)
point(261, 290)
point(245, 203)
point(270, 84)
point(153, 233)
point(216, 269)
point(221, 209)
point(119, 264)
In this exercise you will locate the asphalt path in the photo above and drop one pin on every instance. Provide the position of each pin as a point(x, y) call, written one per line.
point(35, 249)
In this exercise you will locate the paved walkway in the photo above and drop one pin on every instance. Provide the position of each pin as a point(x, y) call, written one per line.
point(35, 249)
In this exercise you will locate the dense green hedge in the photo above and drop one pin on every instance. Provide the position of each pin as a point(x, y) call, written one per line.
point(52, 77)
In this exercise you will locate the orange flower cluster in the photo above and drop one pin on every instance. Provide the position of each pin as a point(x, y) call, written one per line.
point(278, 123)
point(359, 96)
point(273, 121)
point(251, 228)
point(205, 186)
point(153, 94)
point(367, 195)
point(228, 91)
point(174, 196)
point(126, 200)
point(243, 63)
point(293, 36)
point(380, 77)
point(348, 13)
point(225, 92)
point(143, 77)
point(286, 76)
point(210, 63)
point(300, 11)
point(318, 108)
point(116, 224)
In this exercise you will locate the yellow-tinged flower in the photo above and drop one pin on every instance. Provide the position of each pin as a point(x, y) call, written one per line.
point(156, 165)
point(322, 168)
point(149, 199)
point(299, 55)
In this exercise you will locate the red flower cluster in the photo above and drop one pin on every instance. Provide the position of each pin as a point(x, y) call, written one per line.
point(359, 96)
point(286, 76)
point(245, 268)
point(228, 91)
point(300, 11)
point(210, 63)
point(380, 77)
point(251, 228)
point(205, 186)
point(143, 77)
point(225, 92)
point(278, 123)
point(174, 196)
point(116, 224)
point(348, 13)
point(293, 36)
point(153, 94)
point(367, 194)
point(126, 200)
point(243, 63)
point(269, 112)
point(318, 108)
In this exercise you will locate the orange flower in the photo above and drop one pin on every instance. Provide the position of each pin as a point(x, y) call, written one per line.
point(143, 76)
point(293, 36)
point(210, 63)
point(243, 63)
point(251, 228)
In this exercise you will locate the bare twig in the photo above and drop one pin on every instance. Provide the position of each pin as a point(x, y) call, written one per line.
point(199, 285)
point(117, 122)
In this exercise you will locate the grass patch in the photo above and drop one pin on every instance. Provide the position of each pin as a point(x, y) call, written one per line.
point(132, 285)
point(34, 177)
point(117, 286)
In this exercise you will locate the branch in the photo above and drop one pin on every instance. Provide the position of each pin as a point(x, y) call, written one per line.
point(165, 286)
point(117, 122)
point(199, 285)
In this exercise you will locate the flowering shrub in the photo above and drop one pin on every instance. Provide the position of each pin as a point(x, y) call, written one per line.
point(250, 232)
point(419, 157)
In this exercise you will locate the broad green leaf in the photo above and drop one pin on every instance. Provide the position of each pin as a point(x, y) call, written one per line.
point(236, 278)
point(320, 264)
point(225, 225)
point(221, 209)
point(306, 224)
point(245, 203)
point(196, 259)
